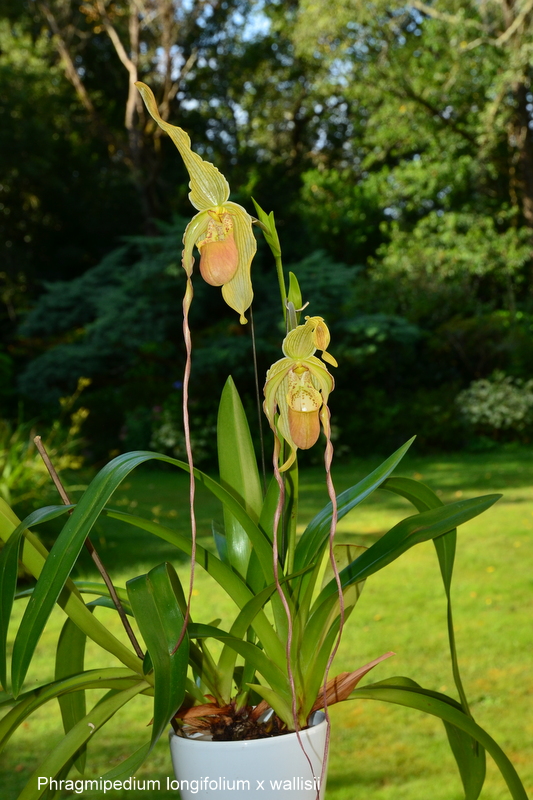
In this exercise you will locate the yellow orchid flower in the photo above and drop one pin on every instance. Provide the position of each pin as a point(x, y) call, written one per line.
point(297, 389)
point(222, 231)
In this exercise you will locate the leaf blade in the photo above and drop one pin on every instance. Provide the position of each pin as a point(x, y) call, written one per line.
point(155, 600)
point(238, 472)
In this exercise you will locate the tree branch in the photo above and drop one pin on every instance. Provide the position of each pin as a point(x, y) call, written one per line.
point(70, 69)
point(115, 39)
point(452, 19)
point(513, 27)
point(412, 95)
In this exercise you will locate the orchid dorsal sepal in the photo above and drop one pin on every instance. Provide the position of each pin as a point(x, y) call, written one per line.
point(297, 389)
point(209, 188)
point(221, 231)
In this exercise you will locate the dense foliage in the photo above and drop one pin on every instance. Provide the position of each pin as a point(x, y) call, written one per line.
point(393, 142)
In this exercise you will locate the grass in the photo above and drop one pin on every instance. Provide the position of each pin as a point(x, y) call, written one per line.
point(379, 752)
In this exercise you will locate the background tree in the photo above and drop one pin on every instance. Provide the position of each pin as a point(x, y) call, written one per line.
point(393, 142)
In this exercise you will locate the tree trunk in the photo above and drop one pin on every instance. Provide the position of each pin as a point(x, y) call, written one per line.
point(521, 145)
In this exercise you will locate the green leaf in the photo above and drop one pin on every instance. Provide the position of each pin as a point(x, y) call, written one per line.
point(315, 645)
point(315, 536)
point(219, 538)
point(407, 533)
point(28, 702)
point(282, 708)
point(9, 557)
point(449, 711)
point(241, 624)
point(255, 576)
point(231, 582)
point(67, 547)
point(404, 535)
point(92, 587)
point(70, 658)
point(314, 665)
point(238, 473)
point(264, 665)
point(155, 600)
point(344, 555)
point(129, 766)
point(470, 760)
point(423, 498)
point(34, 556)
point(77, 737)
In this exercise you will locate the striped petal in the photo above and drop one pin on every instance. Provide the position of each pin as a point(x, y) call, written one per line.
point(238, 293)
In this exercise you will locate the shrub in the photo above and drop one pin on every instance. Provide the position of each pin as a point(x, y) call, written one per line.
point(498, 403)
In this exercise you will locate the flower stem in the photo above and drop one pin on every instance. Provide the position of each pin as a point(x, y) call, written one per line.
point(282, 287)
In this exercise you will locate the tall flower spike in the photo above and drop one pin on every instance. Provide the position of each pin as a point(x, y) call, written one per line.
point(222, 230)
point(297, 389)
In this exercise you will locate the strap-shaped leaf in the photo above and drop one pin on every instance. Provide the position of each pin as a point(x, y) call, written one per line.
point(267, 668)
point(407, 533)
point(232, 583)
point(238, 473)
point(404, 535)
point(9, 558)
point(449, 711)
point(34, 556)
point(255, 576)
point(69, 543)
point(219, 538)
point(312, 649)
point(282, 707)
point(155, 600)
point(129, 766)
point(239, 628)
point(70, 659)
point(423, 498)
point(28, 702)
point(468, 753)
point(85, 587)
point(315, 536)
point(76, 738)
point(470, 759)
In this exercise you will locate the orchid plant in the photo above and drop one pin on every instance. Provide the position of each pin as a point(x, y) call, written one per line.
point(293, 594)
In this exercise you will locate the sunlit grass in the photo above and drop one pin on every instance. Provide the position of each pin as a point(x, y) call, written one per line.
point(379, 752)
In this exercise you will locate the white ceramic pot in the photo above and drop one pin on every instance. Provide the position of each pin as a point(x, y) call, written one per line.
point(258, 769)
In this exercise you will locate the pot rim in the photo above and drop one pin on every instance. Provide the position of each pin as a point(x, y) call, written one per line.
point(318, 720)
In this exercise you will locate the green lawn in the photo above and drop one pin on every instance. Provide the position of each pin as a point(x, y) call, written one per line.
point(379, 752)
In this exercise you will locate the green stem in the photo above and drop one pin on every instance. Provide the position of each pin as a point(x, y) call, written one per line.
point(282, 287)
